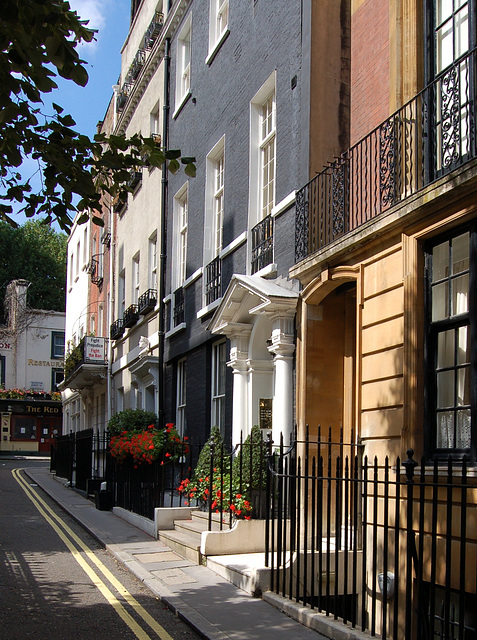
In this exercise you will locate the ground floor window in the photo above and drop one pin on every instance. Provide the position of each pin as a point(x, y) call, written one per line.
point(181, 397)
point(24, 428)
point(218, 385)
point(450, 348)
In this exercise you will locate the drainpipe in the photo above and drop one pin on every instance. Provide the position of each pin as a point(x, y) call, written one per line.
point(112, 252)
point(163, 225)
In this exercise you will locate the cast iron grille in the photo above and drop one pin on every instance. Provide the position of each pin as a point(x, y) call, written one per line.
point(117, 329)
point(136, 66)
point(153, 30)
point(131, 316)
point(213, 280)
point(95, 271)
point(147, 301)
point(426, 139)
point(178, 313)
point(135, 177)
point(262, 244)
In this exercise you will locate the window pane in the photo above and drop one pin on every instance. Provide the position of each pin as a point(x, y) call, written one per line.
point(463, 435)
point(445, 349)
point(460, 295)
point(462, 32)
point(440, 302)
point(445, 389)
point(460, 253)
point(440, 262)
point(463, 353)
point(445, 430)
point(444, 10)
point(463, 386)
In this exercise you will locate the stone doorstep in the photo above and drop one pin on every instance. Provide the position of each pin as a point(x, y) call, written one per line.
point(246, 571)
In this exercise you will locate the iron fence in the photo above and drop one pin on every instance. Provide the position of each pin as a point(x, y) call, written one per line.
point(390, 549)
point(427, 138)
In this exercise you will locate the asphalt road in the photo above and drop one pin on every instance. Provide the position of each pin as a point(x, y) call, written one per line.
point(57, 583)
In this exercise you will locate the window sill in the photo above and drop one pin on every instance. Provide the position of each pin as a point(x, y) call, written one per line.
point(213, 52)
point(270, 271)
point(208, 309)
point(178, 329)
point(191, 279)
point(181, 104)
point(239, 240)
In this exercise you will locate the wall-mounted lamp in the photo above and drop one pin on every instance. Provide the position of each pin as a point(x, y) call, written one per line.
point(390, 584)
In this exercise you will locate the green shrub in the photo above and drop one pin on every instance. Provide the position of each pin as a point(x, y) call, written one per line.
point(131, 420)
point(250, 464)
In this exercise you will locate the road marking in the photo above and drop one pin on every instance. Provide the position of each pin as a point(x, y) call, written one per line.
point(63, 530)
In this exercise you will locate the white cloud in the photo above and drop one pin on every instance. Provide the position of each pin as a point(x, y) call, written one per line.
point(92, 10)
point(95, 11)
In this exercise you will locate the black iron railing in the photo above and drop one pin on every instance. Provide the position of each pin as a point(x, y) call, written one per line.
point(77, 357)
point(135, 177)
point(153, 30)
point(117, 329)
point(147, 301)
point(131, 316)
point(178, 313)
point(136, 66)
point(379, 546)
point(262, 244)
point(213, 280)
point(123, 96)
point(430, 136)
point(95, 271)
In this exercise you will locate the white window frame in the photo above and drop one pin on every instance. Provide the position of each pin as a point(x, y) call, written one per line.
point(218, 25)
point(153, 262)
point(214, 202)
point(135, 278)
point(181, 397)
point(183, 67)
point(121, 293)
point(262, 139)
point(219, 357)
point(154, 121)
point(180, 227)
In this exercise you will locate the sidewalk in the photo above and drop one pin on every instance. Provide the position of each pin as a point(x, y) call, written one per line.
point(215, 608)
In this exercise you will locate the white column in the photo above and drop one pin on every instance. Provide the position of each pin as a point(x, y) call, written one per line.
point(239, 363)
point(283, 348)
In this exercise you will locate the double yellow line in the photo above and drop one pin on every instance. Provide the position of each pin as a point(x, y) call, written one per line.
point(69, 536)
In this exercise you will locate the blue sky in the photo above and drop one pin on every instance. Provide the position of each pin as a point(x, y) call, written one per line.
point(87, 105)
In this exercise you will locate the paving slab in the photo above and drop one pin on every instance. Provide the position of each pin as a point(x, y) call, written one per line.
point(214, 607)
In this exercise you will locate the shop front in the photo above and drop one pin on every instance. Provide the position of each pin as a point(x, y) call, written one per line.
point(29, 425)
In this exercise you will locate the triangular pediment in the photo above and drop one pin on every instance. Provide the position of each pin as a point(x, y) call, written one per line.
point(247, 296)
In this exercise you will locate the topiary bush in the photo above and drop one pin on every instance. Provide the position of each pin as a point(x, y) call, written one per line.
point(131, 420)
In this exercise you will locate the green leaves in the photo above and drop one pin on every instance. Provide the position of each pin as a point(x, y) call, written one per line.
point(38, 43)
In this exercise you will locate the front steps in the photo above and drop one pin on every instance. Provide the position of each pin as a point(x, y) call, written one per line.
point(185, 537)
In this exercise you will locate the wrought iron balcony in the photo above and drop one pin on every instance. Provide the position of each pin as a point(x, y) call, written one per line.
point(123, 96)
point(106, 237)
point(119, 205)
point(136, 66)
point(147, 302)
point(178, 314)
point(86, 363)
point(213, 280)
point(262, 244)
point(153, 30)
point(428, 138)
point(95, 270)
point(135, 177)
point(117, 329)
point(131, 316)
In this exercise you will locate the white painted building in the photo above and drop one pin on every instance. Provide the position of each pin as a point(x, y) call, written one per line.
point(32, 348)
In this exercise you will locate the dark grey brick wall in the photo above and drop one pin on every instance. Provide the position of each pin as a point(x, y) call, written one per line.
point(264, 37)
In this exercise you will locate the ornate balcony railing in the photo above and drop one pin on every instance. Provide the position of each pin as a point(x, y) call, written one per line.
point(213, 280)
point(135, 177)
point(117, 329)
point(262, 244)
point(178, 314)
point(131, 316)
point(90, 350)
point(123, 96)
point(95, 271)
point(136, 66)
point(153, 30)
point(147, 302)
point(430, 136)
